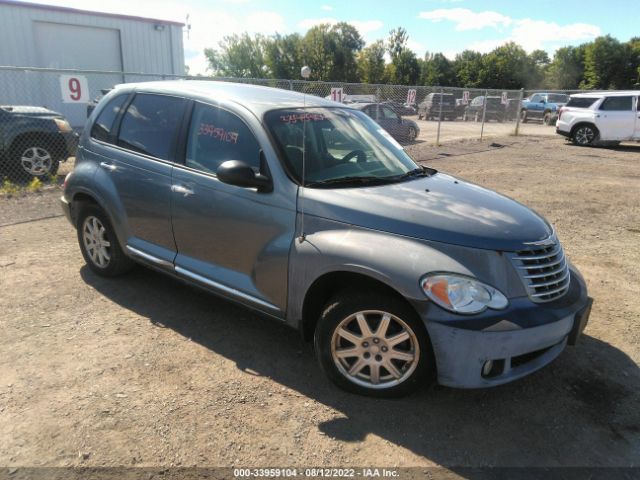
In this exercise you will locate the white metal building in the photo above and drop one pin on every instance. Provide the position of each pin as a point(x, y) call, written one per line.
point(34, 35)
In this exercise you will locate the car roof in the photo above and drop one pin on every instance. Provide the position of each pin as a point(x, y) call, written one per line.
point(255, 98)
point(608, 93)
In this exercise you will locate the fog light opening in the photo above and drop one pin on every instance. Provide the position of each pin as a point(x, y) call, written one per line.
point(492, 368)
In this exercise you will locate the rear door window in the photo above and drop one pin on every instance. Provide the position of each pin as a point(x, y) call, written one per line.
point(581, 102)
point(216, 136)
point(150, 124)
point(101, 129)
point(617, 104)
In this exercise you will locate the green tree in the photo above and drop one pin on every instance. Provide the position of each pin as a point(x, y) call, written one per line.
point(397, 42)
point(506, 67)
point(467, 66)
point(239, 56)
point(566, 70)
point(347, 44)
point(283, 55)
point(318, 45)
point(437, 70)
point(371, 63)
point(405, 68)
point(606, 64)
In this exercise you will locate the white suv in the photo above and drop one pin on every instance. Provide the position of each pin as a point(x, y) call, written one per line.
point(601, 118)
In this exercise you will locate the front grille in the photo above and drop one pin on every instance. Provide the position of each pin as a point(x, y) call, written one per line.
point(544, 271)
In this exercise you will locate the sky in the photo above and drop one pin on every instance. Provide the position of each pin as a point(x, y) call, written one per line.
point(447, 26)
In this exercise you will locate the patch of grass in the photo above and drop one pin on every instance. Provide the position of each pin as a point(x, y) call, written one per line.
point(9, 188)
point(35, 185)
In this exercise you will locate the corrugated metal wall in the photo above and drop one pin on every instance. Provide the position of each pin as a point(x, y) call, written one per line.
point(144, 48)
point(27, 39)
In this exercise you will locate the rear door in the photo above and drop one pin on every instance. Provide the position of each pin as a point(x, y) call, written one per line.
point(616, 118)
point(138, 167)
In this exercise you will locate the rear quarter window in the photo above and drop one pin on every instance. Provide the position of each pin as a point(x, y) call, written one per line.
point(101, 129)
point(581, 102)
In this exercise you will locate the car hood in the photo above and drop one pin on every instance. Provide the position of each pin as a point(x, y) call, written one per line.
point(439, 208)
point(30, 111)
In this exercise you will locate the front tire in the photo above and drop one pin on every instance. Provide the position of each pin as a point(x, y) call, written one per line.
point(99, 244)
point(584, 135)
point(373, 345)
point(33, 159)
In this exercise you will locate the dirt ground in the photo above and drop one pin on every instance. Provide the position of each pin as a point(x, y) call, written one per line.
point(145, 371)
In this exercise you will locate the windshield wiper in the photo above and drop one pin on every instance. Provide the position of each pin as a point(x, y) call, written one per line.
point(416, 172)
point(352, 180)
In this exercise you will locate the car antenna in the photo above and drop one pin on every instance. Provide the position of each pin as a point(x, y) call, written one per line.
point(305, 72)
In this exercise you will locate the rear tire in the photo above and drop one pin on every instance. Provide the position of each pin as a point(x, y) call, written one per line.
point(547, 118)
point(411, 136)
point(99, 244)
point(584, 135)
point(377, 360)
point(523, 116)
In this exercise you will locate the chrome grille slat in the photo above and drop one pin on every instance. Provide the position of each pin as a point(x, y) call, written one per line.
point(549, 273)
point(550, 264)
point(555, 281)
point(551, 292)
point(544, 271)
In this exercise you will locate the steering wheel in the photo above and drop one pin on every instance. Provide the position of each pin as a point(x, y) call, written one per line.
point(362, 157)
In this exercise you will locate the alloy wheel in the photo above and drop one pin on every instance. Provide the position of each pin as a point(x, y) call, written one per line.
point(36, 161)
point(95, 241)
point(375, 349)
point(584, 135)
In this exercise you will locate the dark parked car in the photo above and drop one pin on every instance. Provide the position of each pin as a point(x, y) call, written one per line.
point(430, 109)
point(399, 128)
point(495, 109)
point(33, 141)
point(398, 273)
point(401, 109)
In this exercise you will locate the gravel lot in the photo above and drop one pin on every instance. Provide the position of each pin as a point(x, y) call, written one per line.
point(144, 371)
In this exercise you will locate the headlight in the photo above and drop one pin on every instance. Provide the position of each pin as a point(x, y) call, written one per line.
point(62, 125)
point(460, 294)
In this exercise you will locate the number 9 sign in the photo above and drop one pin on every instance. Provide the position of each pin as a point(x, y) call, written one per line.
point(74, 88)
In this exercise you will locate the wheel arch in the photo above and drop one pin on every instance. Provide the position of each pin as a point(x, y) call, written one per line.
point(328, 284)
point(58, 146)
point(584, 123)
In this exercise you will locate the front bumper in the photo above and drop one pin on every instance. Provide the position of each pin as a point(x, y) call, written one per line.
point(66, 209)
point(518, 341)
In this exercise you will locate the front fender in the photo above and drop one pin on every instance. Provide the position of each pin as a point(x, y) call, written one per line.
point(398, 262)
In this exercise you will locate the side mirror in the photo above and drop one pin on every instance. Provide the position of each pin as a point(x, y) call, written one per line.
point(238, 173)
point(543, 101)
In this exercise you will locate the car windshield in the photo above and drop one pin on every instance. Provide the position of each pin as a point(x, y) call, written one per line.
point(557, 98)
point(341, 146)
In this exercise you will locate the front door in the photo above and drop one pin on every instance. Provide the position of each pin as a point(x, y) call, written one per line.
point(230, 239)
point(616, 118)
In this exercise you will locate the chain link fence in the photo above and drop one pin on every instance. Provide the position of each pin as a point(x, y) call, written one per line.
point(44, 110)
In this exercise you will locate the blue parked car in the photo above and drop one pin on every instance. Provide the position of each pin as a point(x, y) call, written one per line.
point(308, 212)
point(543, 106)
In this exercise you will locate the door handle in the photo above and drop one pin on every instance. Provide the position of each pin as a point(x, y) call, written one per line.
point(108, 166)
point(182, 189)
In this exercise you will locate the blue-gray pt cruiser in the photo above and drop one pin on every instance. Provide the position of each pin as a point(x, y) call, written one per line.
point(307, 211)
